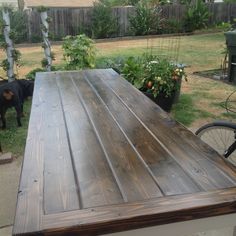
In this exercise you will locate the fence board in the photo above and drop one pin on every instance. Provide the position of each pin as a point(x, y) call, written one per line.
point(72, 21)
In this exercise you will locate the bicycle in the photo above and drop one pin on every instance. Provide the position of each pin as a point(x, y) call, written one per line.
point(221, 135)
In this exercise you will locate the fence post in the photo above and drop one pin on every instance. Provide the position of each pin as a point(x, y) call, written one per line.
point(28, 13)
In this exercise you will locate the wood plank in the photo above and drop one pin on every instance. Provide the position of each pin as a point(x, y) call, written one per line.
point(169, 175)
point(60, 188)
point(205, 170)
point(29, 213)
point(96, 182)
point(158, 211)
point(132, 176)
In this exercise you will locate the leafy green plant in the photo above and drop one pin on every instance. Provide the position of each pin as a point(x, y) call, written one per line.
point(42, 9)
point(146, 20)
point(5, 64)
point(31, 75)
point(196, 17)
point(171, 26)
point(132, 2)
point(19, 26)
point(153, 75)
point(133, 71)
point(224, 26)
point(104, 24)
point(79, 52)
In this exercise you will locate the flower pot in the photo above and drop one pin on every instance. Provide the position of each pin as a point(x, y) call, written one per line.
point(161, 100)
point(177, 92)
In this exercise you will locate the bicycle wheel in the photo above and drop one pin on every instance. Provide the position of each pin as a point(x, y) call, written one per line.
point(220, 136)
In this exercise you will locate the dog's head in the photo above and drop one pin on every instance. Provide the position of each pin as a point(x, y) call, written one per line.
point(8, 94)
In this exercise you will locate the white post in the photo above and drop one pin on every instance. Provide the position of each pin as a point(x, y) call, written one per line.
point(47, 45)
point(9, 48)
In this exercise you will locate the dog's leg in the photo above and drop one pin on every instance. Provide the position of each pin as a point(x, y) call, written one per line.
point(3, 112)
point(18, 114)
point(22, 110)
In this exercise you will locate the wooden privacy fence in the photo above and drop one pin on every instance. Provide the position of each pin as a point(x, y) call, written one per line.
point(72, 21)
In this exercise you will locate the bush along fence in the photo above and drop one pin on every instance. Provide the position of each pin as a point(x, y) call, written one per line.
point(73, 21)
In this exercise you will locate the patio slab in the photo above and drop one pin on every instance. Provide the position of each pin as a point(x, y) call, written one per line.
point(9, 181)
point(6, 231)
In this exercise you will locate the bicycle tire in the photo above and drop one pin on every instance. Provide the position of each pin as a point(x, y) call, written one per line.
point(219, 135)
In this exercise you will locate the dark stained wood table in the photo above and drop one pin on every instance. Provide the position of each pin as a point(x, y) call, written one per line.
point(102, 158)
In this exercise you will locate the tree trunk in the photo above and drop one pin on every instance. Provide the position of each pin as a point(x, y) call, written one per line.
point(10, 48)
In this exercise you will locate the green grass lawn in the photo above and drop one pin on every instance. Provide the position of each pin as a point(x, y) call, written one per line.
point(201, 99)
point(13, 138)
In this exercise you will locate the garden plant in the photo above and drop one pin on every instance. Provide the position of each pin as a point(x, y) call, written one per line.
point(6, 43)
point(104, 24)
point(146, 20)
point(157, 78)
point(79, 52)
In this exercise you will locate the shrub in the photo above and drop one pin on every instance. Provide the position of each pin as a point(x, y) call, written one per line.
point(172, 26)
point(79, 52)
point(133, 70)
point(104, 24)
point(146, 20)
point(224, 26)
point(19, 26)
point(31, 75)
point(196, 17)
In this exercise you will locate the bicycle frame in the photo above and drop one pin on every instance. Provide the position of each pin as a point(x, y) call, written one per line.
point(231, 148)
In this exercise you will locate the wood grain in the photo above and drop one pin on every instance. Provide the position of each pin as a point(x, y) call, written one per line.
point(209, 174)
point(168, 174)
point(60, 187)
point(96, 183)
point(102, 158)
point(135, 215)
point(131, 175)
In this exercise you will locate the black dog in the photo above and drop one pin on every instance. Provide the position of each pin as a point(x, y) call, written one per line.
point(13, 94)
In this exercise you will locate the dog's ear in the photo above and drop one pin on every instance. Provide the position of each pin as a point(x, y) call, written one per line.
point(8, 94)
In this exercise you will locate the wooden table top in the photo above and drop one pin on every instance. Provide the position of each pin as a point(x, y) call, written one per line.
point(101, 157)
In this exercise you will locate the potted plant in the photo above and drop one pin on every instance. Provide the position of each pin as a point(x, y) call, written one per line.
point(157, 78)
